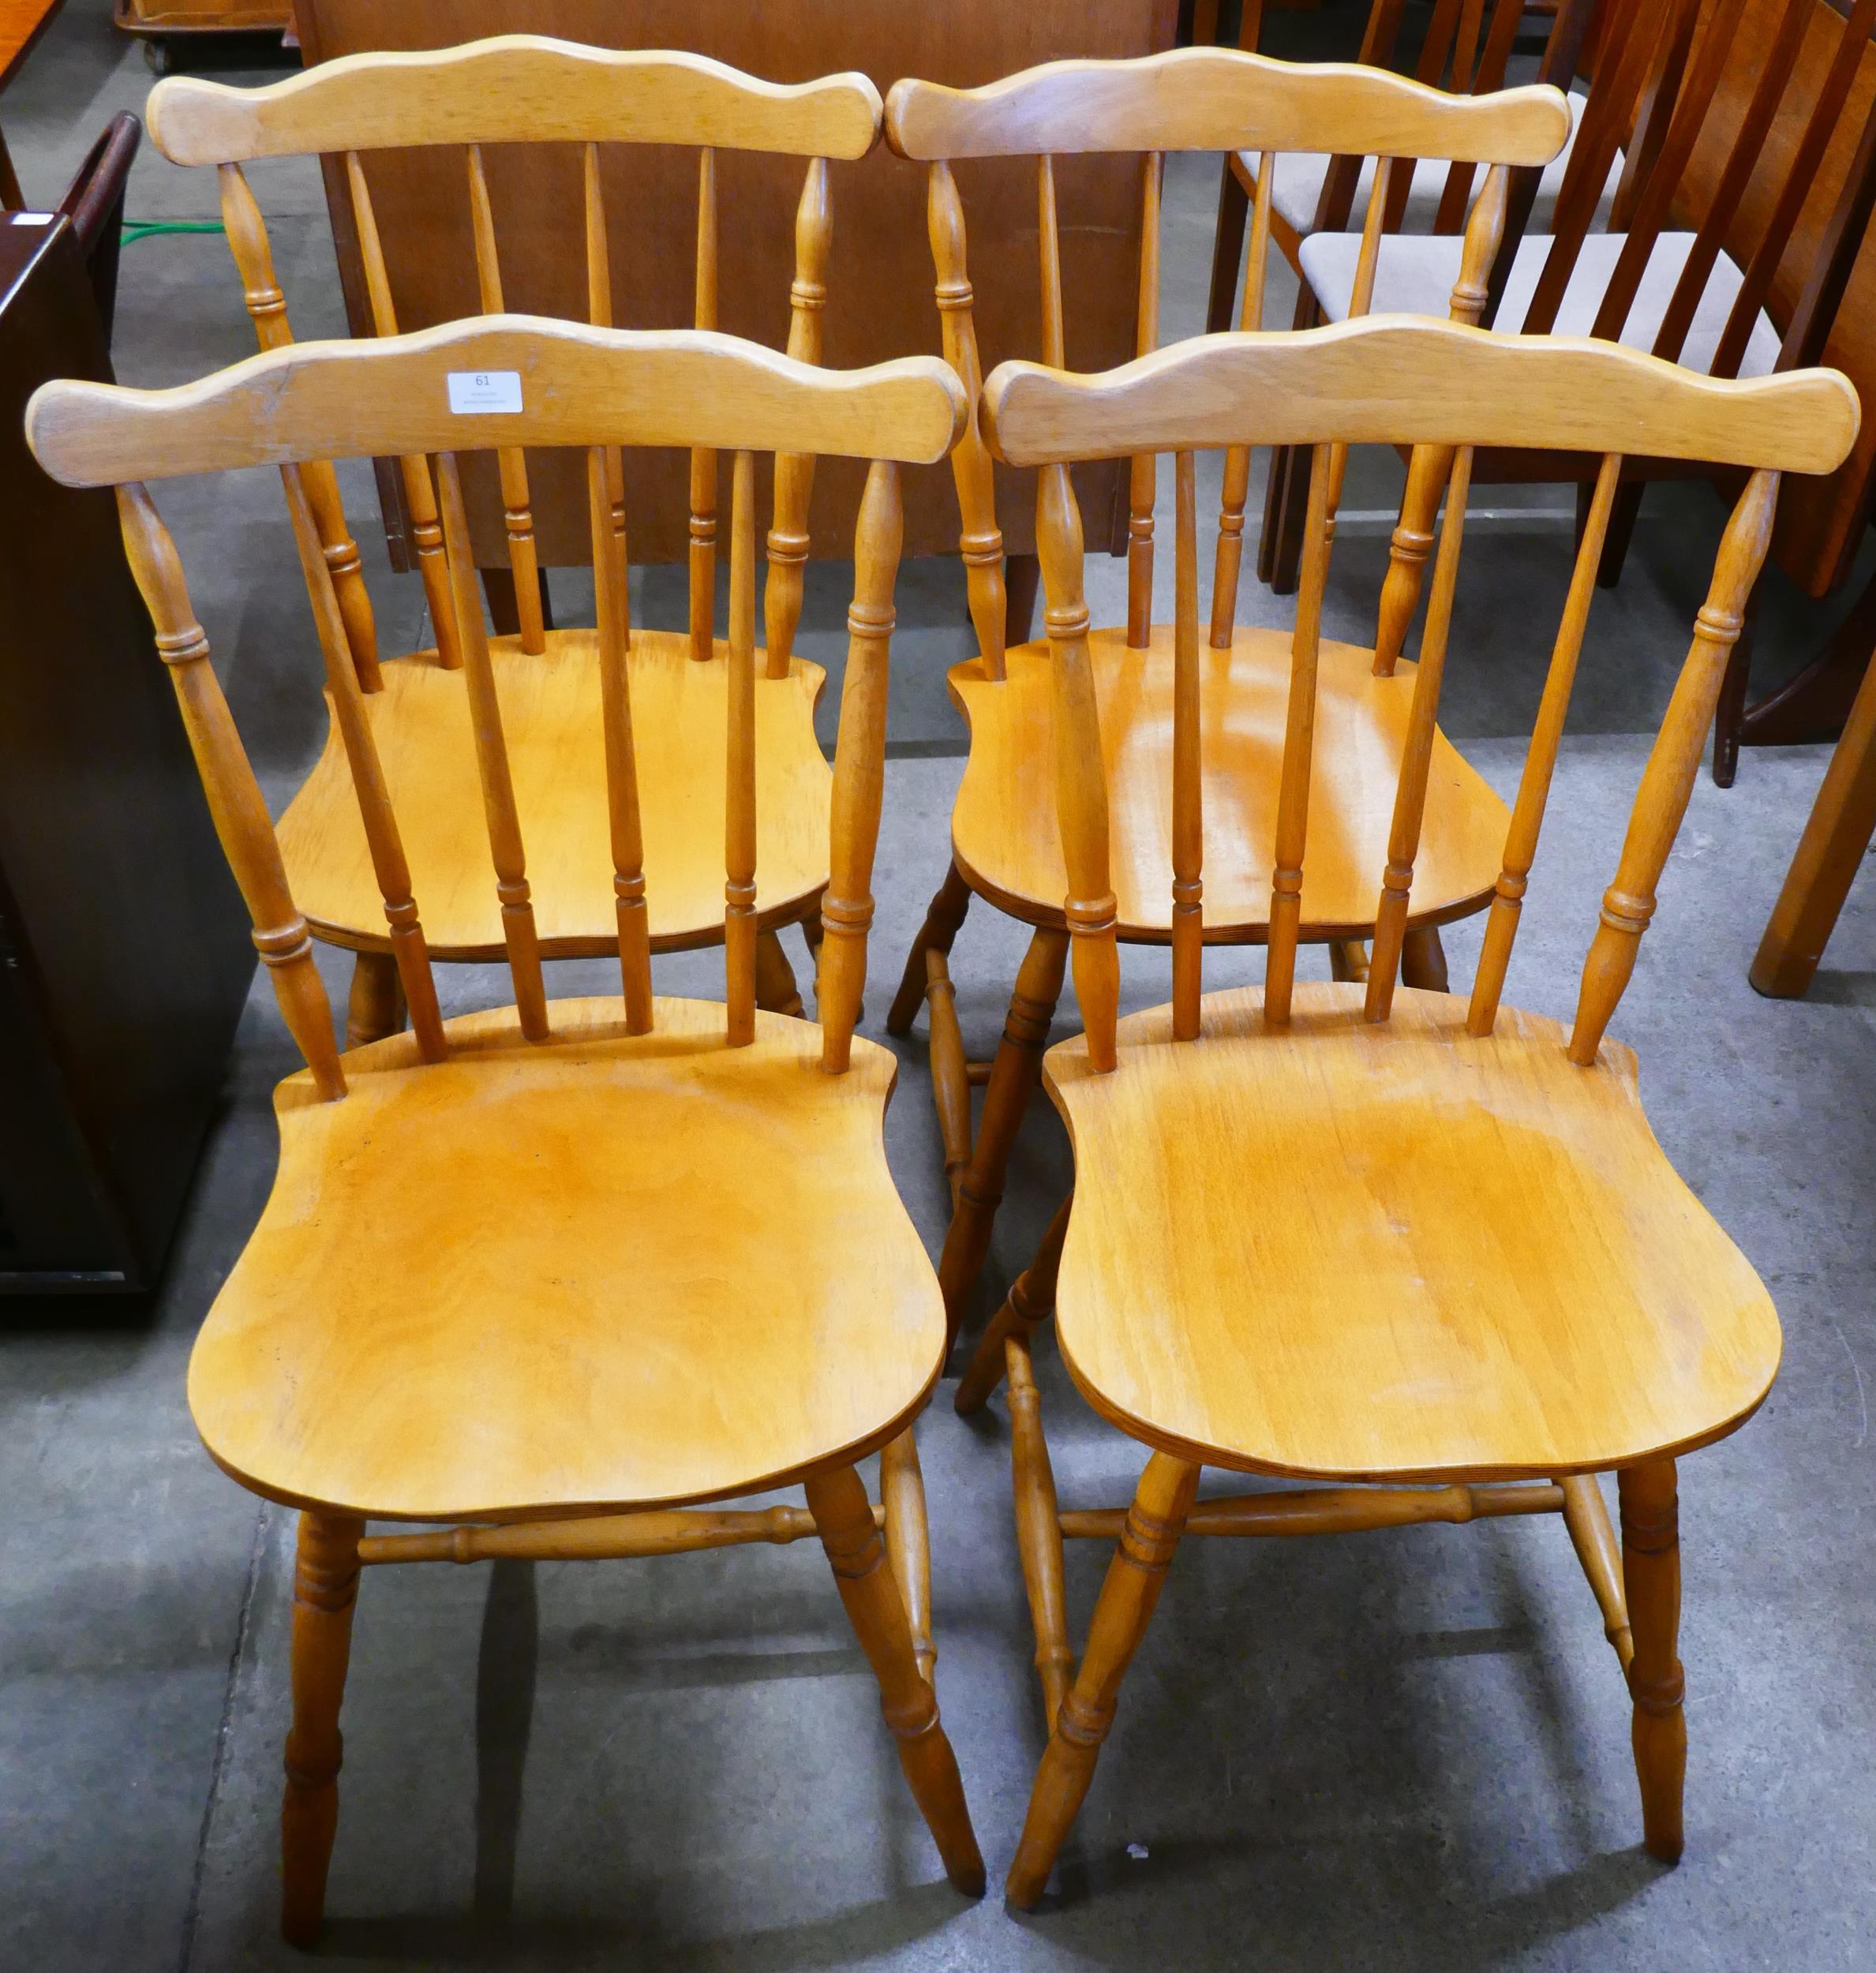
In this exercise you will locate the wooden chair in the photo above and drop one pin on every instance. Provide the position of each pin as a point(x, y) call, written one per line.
point(1005, 847)
point(523, 90)
point(1470, 1274)
point(512, 1273)
point(1837, 838)
point(1463, 51)
point(1623, 271)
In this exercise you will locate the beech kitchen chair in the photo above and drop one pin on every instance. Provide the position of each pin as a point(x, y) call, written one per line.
point(524, 90)
point(1005, 845)
point(513, 1274)
point(1360, 1233)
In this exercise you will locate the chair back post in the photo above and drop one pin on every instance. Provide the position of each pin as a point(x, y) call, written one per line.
point(267, 308)
point(235, 801)
point(788, 544)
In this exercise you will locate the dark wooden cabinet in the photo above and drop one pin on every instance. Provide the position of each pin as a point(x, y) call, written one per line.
point(124, 950)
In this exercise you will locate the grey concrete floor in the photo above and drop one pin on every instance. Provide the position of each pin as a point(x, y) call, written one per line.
point(1395, 1751)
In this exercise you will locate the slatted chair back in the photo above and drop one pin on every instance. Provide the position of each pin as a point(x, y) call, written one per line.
point(1406, 381)
point(568, 385)
point(1658, 72)
point(1465, 50)
point(529, 89)
point(1191, 99)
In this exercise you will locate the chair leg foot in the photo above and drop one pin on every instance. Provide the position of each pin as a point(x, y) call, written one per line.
point(1135, 1578)
point(776, 992)
point(324, 1589)
point(1651, 1577)
point(857, 1555)
point(1422, 960)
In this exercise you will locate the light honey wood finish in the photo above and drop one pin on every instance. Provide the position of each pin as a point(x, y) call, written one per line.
point(1410, 380)
point(1471, 1281)
point(1007, 839)
point(1221, 99)
point(1560, 1353)
point(526, 1170)
point(512, 88)
point(579, 386)
point(512, 1268)
point(1197, 99)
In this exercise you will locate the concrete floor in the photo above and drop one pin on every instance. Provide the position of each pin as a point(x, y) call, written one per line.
point(1395, 1751)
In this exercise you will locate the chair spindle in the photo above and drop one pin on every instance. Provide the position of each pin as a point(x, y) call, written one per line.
point(860, 765)
point(504, 820)
point(1090, 909)
point(234, 798)
point(267, 306)
point(1238, 458)
point(1299, 739)
point(1540, 762)
point(738, 888)
point(1416, 753)
point(599, 312)
point(419, 494)
point(1367, 260)
point(794, 471)
point(383, 837)
point(703, 462)
point(517, 514)
point(627, 836)
point(980, 545)
point(1049, 246)
point(1142, 476)
point(1672, 764)
point(1188, 817)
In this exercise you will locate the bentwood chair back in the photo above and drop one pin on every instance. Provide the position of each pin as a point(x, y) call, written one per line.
point(469, 1297)
point(1005, 847)
point(1470, 1271)
point(505, 106)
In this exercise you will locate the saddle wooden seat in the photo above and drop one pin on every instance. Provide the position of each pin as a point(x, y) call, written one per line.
point(1423, 1248)
point(1006, 839)
point(1468, 1259)
point(1003, 847)
point(564, 1268)
point(539, 1328)
point(550, 706)
point(494, 103)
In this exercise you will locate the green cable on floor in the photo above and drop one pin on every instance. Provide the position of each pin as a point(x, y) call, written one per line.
point(147, 229)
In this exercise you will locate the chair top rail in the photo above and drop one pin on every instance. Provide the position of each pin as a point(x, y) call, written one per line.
point(576, 385)
point(1221, 99)
point(513, 88)
point(1399, 380)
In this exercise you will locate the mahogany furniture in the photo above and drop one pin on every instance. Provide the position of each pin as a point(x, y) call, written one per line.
point(1837, 838)
point(877, 273)
point(1421, 1248)
point(1004, 844)
point(123, 959)
point(510, 99)
point(512, 1273)
point(165, 18)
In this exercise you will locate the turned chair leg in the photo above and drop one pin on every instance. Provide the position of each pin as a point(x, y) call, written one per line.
point(325, 1586)
point(1423, 960)
point(775, 990)
point(1013, 1076)
point(943, 918)
point(1651, 1576)
point(1030, 1303)
point(1348, 961)
point(375, 1007)
point(909, 1543)
point(1038, 1532)
point(845, 1521)
point(1134, 1577)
